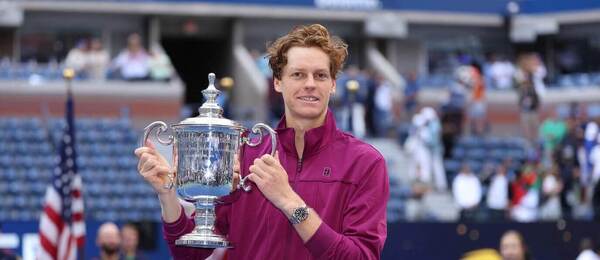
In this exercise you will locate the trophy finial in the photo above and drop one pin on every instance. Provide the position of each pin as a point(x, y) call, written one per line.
point(211, 108)
point(211, 79)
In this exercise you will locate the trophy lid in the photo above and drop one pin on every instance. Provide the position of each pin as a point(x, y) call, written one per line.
point(211, 114)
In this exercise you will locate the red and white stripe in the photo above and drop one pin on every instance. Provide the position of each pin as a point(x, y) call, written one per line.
point(60, 241)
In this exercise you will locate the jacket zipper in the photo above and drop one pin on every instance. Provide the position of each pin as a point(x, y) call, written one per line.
point(289, 236)
point(298, 168)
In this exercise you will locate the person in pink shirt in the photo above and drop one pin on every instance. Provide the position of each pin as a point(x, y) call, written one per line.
point(322, 196)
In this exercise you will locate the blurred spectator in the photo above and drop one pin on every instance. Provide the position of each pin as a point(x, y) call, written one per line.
point(568, 60)
point(565, 157)
point(130, 237)
point(525, 194)
point(383, 113)
point(497, 194)
point(453, 110)
point(411, 92)
point(595, 160)
point(578, 199)
point(276, 107)
point(433, 142)
point(133, 63)
point(416, 208)
point(586, 248)
point(551, 133)
point(370, 109)
point(419, 157)
point(160, 64)
point(97, 61)
point(513, 246)
point(351, 107)
point(539, 74)
point(477, 103)
point(589, 142)
point(529, 97)
point(500, 72)
point(109, 241)
point(550, 208)
point(467, 192)
point(77, 58)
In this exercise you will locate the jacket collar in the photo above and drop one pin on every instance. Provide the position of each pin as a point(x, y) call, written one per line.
point(314, 139)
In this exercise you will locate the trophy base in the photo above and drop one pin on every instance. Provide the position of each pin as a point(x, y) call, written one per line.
point(203, 241)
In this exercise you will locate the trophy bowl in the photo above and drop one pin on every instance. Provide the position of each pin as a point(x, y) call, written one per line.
point(204, 149)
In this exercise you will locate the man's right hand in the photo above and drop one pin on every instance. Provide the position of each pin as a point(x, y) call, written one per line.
point(154, 168)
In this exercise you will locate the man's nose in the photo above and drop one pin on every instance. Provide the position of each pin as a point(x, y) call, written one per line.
point(310, 82)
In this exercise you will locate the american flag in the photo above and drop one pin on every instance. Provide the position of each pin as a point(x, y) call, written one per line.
point(62, 226)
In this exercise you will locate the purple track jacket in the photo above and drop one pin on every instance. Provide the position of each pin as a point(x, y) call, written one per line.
point(342, 179)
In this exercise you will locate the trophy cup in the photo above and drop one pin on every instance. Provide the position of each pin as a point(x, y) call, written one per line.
point(204, 149)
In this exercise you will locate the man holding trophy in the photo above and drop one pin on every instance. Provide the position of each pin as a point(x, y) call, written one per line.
point(321, 195)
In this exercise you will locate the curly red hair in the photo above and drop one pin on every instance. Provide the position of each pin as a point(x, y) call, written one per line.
point(314, 35)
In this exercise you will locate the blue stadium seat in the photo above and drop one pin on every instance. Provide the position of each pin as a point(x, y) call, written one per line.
point(566, 81)
point(593, 110)
point(458, 152)
point(582, 79)
point(470, 142)
point(452, 165)
point(476, 154)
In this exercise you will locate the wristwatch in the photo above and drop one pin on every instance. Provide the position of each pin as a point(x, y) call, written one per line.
point(299, 214)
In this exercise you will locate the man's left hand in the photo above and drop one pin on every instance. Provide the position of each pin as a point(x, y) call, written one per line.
point(272, 180)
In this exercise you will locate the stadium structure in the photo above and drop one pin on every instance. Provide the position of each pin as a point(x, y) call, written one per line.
point(392, 38)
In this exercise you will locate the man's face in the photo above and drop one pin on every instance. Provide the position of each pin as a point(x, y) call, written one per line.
point(306, 83)
point(109, 240)
point(130, 238)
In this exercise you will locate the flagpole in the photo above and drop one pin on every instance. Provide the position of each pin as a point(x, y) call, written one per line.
point(68, 75)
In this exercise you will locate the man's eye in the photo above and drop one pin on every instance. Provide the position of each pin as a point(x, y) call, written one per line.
point(296, 75)
point(322, 76)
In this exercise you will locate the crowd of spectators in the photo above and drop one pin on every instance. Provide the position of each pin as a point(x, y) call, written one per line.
point(92, 62)
point(134, 63)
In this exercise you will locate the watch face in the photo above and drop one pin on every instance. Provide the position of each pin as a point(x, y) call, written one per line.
point(300, 214)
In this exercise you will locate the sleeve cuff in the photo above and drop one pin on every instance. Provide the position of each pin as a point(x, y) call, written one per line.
point(322, 240)
point(176, 229)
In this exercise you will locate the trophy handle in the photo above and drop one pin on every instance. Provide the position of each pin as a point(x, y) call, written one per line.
point(162, 127)
point(256, 129)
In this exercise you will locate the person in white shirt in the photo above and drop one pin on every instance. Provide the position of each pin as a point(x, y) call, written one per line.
point(384, 93)
point(77, 57)
point(587, 250)
point(133, 63)
point(433, 130)
point(466, 189)
point(419, 168)
point(595, 161)
point(501, 73)
point(551, 189)
point(497, 196)
point(97, 61)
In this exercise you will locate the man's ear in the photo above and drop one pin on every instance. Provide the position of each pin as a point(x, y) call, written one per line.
point(277, 84)
point(333, 87)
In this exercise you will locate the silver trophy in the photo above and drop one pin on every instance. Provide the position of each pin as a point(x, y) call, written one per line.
point(204, 149)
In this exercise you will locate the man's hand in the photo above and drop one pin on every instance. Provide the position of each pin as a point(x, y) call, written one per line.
point(153, 167)
point(272, 180)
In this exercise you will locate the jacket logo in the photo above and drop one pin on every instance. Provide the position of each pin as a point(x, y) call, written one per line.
point(327, 172)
